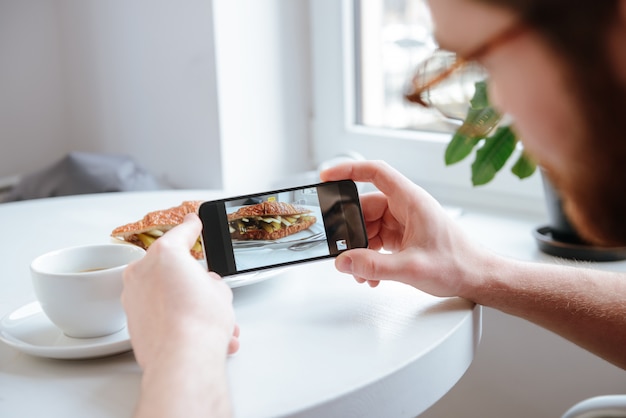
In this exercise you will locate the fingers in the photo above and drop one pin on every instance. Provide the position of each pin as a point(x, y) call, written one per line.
point(371, 283)
point(372, 266)
point(183, 235)
point(373, 206)
point(233, 346)
point(380, 174)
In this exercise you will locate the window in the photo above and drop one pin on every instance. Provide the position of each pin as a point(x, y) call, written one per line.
point(392, 37)
point(363, 52)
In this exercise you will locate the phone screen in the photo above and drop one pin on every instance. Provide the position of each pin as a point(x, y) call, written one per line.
point(259, 231)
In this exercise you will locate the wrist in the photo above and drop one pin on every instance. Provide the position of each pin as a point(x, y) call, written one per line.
point(193, 361)
point(200, 336)
point(484, 277)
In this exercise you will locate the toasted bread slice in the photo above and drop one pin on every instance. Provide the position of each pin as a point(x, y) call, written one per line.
point(147, 230)
point(268, 209)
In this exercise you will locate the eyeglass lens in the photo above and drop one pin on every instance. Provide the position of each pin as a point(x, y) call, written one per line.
point(446, 84)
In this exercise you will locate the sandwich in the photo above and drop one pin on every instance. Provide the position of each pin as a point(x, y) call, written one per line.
point(269, 221)
point(147, 230)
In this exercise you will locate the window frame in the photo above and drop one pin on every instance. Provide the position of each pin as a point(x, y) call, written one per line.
point(417, 154)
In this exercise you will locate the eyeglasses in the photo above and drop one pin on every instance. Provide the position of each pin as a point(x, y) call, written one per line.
point(441, 65)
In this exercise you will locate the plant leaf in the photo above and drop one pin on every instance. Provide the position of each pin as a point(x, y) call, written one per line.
point(478, 124)
point(492, 156)
point(480, 120)
point(459, 147)
point(480, 99)
point(497, 147)
point(524, 166)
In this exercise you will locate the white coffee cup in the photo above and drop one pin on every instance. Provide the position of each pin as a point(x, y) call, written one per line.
point(79, 288)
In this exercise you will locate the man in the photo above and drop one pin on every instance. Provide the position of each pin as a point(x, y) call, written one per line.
point(559, 68)
point(560, 73)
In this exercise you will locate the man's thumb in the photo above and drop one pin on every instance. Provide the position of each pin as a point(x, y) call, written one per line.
point(367, 264)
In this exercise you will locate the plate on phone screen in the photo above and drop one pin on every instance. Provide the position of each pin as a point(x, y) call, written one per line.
point(314, 233)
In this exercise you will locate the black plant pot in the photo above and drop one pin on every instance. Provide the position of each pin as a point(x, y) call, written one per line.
point(559, 237)
point(560, 226)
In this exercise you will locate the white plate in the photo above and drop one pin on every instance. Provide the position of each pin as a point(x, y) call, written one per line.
point(246, 279)
point(251, 278)
point(29, 330)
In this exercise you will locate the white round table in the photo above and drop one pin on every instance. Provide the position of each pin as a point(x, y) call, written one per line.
point(314, 343)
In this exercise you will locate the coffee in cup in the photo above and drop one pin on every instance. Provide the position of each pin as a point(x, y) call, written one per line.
point(79, 288)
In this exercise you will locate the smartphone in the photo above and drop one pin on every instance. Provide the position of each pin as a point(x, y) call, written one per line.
point(259, 231)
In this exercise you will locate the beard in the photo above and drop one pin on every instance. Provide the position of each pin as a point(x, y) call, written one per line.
point(592, 182)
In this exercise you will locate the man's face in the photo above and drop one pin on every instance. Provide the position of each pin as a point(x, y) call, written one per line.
point(532, 84)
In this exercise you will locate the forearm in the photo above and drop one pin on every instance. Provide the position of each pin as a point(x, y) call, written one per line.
point(586, 306)
point(187, 381)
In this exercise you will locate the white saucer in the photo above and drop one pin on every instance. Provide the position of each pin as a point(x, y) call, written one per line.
point(29, 330)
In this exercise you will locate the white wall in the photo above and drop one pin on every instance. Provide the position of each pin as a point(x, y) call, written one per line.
point(141, 81)
point(32, 96)
point(139, 77)
point(264, 82)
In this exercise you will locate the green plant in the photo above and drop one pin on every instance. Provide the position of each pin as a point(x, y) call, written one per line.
point(494, 144)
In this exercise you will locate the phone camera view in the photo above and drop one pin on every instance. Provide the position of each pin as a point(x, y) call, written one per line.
point(276, 229)
point(247, 233)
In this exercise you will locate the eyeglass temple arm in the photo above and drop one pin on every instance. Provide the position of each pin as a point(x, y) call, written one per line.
point(415, 95)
